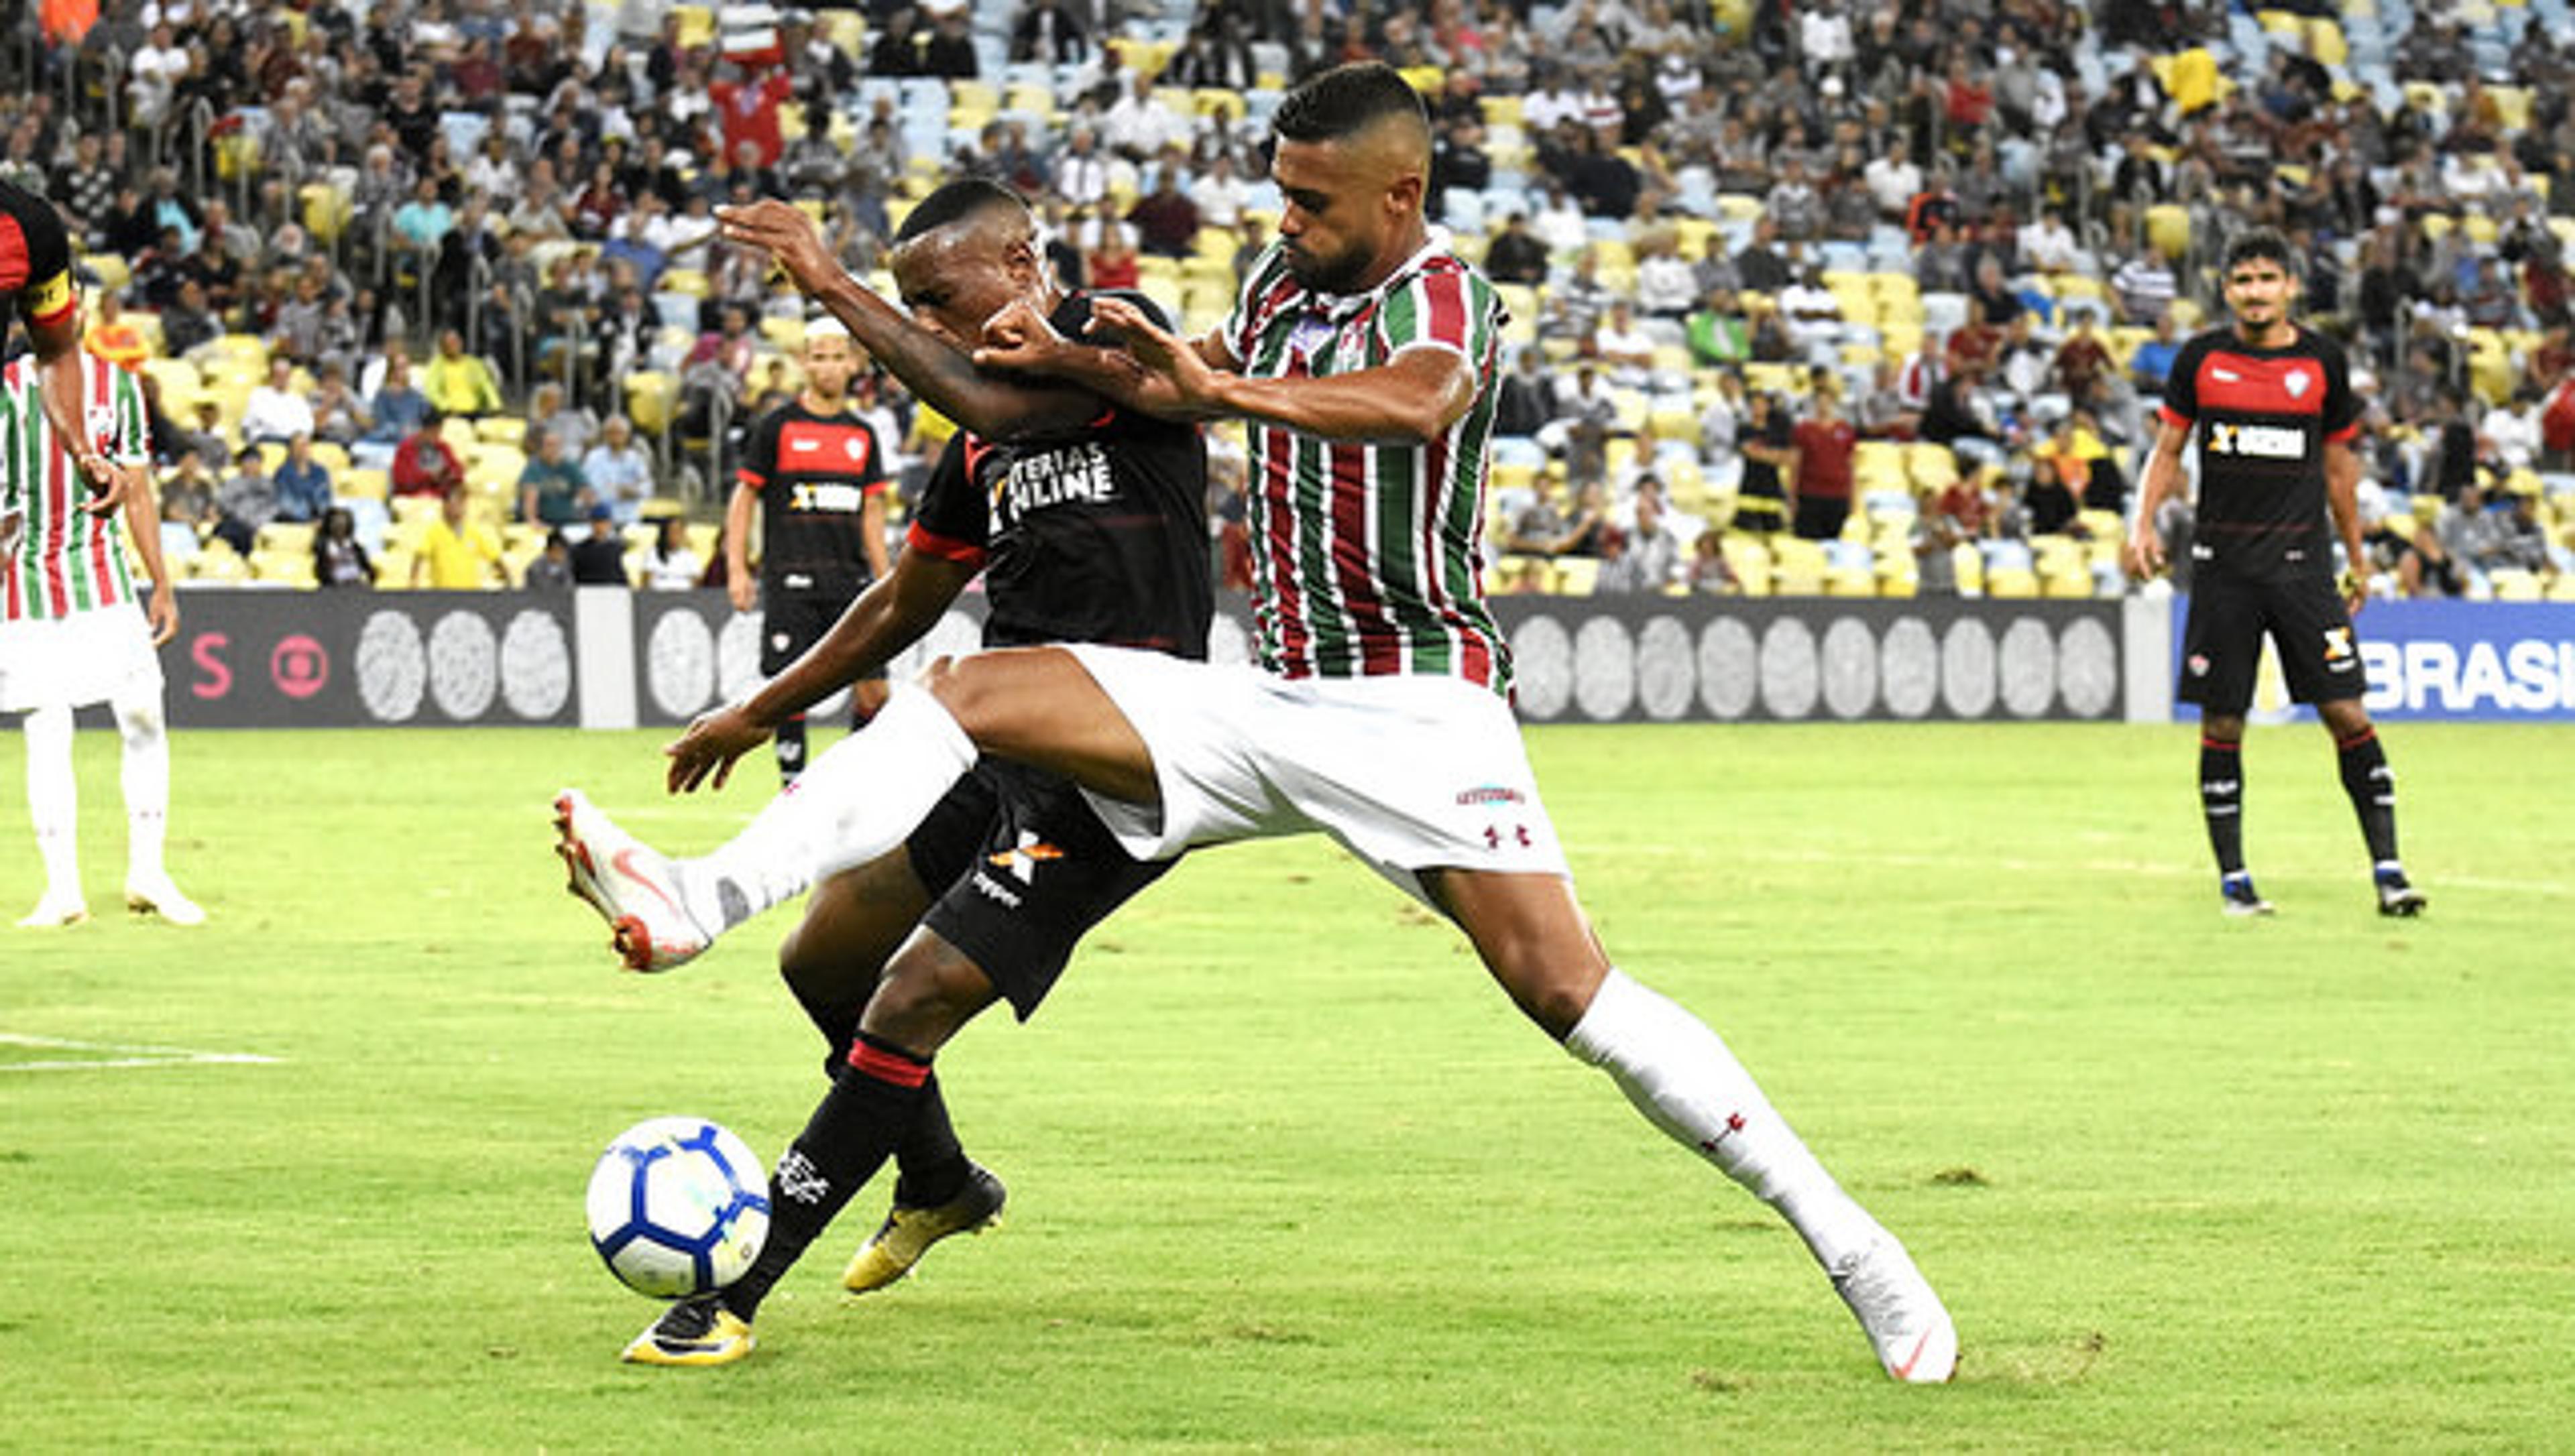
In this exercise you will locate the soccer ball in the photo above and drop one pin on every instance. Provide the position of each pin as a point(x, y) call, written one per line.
point(678, 1206)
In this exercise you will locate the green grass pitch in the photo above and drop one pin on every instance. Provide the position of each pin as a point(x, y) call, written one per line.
point(1289, 1173)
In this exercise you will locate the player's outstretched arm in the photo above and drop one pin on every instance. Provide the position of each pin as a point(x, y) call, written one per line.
point(1412, 399)
point(886, 618)
point(940, 373)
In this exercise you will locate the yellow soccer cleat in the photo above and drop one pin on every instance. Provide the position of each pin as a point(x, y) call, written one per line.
point(692, 1332)
point(907, 1233)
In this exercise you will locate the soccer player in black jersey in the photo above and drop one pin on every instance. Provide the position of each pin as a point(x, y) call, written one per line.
point(36, 275)
point(2272, 405)
point(815, 473)
point(1088, 524)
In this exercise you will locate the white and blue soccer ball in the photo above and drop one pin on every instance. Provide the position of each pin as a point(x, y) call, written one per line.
point(678, 1206)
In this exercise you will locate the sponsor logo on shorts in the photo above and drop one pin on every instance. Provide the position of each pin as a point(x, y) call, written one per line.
point(1491, 793)
point(1023, 862)
point(2340, 656)
point(993, 890)
point(2198, 664)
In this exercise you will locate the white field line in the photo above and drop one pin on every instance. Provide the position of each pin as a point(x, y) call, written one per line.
point(2163, 871)
point(133, 1055)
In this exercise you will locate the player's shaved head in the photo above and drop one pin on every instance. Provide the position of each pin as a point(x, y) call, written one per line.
point(1366, 102)
point(966, 199)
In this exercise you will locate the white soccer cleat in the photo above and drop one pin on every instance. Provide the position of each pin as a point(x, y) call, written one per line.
point(159, 897)
point(1906, 1323)
point(628, 883)
point(55, 910)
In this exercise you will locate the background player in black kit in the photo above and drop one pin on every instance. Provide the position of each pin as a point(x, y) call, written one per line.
point(817, 473)
point(2272, 404)
point(1088, 524)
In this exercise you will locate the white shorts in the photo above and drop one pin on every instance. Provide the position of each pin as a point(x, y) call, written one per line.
point(68, 662)
point(1407, 773)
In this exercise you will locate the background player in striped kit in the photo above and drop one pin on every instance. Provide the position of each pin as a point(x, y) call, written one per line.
point(73, 631)
point(2272, 405)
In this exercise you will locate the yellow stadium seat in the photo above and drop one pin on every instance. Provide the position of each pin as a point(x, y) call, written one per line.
point(2169, 227)
point(689, 281)
point(697, 26)
point(361, 485)
point(651, 396)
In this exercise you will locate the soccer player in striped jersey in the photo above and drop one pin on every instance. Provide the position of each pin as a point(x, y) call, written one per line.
point(1362, 352)
point(2272, 407)
point(74, 631)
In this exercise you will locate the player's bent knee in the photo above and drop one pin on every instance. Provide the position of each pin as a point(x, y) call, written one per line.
point(926, 996)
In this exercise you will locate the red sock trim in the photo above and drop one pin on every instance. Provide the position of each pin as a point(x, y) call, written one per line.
point(887, 1065)
point(2220, 745)
point(2357, 739)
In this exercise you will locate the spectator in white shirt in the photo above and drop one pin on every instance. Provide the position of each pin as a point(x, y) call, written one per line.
point(275, 412)
point(618, 470)
point(1138, 125)
point(2047, 244)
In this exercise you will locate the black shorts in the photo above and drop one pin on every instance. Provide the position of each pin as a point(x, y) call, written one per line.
point(2221, 650)
point(791, 622)
point(1020, 869)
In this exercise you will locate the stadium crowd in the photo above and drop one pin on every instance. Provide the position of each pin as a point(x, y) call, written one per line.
point(1863, 297)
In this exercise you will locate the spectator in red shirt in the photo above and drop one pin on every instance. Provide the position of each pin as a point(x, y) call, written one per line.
point(750, 111)
point(423, 463)
point(1164, 219)
point(1824, 445)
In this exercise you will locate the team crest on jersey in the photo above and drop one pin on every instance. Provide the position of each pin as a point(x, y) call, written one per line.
point(2198, 664)
point(2295, 382)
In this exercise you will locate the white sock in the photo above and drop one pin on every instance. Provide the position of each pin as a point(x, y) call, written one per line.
point(1679, 1074)
point(855, 801)
point(53, 799)
point(145, 775)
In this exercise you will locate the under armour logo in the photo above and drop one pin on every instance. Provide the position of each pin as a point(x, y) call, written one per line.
point(1733, 1126)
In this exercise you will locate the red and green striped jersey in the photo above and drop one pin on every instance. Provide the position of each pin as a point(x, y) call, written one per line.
point(66, 559)
point(1367, 559)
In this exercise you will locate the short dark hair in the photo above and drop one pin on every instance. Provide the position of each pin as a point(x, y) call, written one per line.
point(2258, 244)
point(1346, 100)
point(954, 202)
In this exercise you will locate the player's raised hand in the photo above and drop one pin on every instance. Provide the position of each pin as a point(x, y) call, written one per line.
point(706, 753)
point(1017, 336)
point(786, 233)
point(1155, 347)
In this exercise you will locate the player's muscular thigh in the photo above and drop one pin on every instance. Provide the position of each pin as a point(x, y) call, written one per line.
point(1038, 705)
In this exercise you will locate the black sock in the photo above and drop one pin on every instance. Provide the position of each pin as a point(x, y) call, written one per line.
point(836, 1018)
point(929, 1163)
point(849, 1137)
point(788, 742)
point(2372, 786)
point(2221, 800)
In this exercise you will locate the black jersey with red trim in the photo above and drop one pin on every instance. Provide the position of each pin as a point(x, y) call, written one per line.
point(2263, 417)
point(813, 473)
point(1098, 536)
point(35, 256)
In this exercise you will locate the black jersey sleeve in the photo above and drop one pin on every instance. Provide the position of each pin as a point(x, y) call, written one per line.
point(2182, 387)
point(954, 521)
point(759, 453)
point(2342, 408)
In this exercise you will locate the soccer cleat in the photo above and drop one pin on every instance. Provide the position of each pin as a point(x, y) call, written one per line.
point(2397, 895)
point(697, 1331)
point(1906, 1323)
point(158, 897)
point(55, 910)
point(2237, 897)
point(907, 1233)
point(628, 884)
